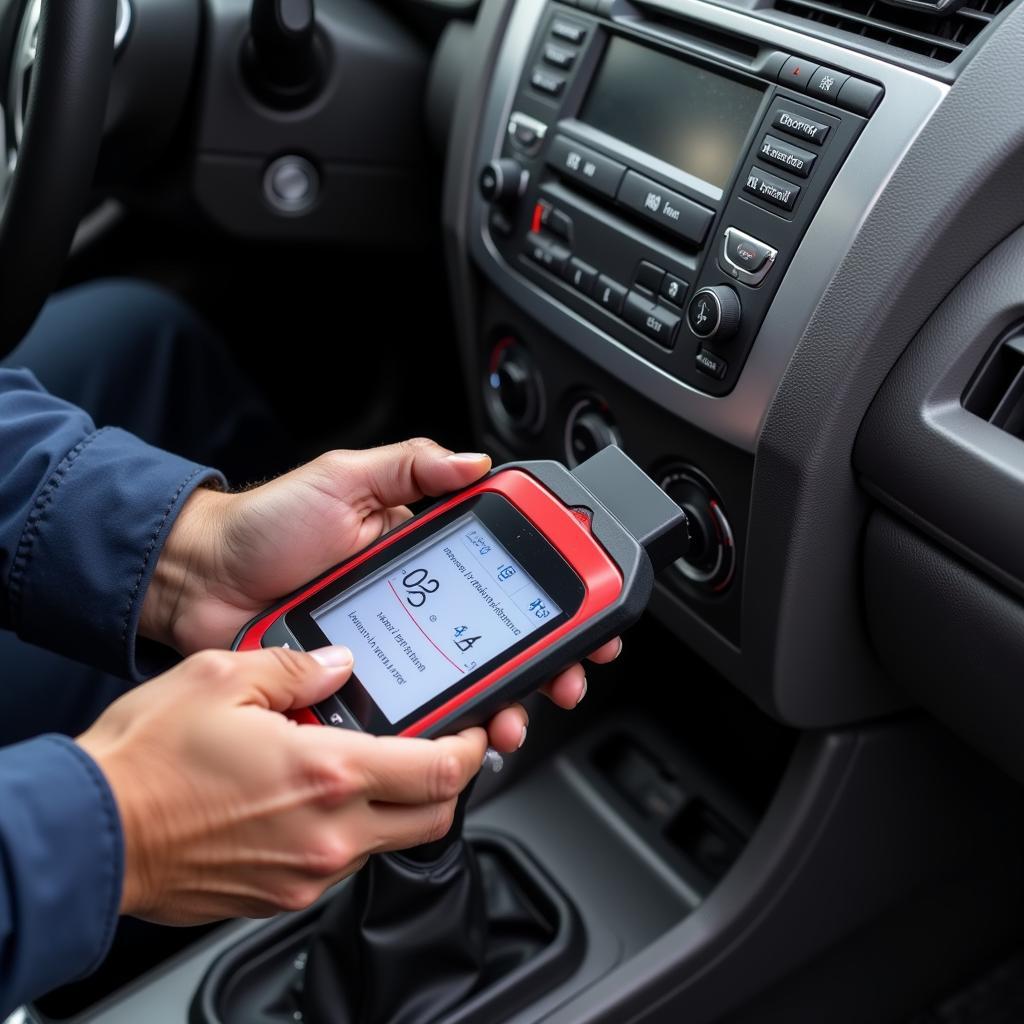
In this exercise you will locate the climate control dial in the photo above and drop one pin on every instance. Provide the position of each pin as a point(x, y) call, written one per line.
point(710, 562)
point(513, 389)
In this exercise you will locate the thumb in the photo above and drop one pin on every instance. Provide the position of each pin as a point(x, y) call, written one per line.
point(282, 680)
point(401, 473)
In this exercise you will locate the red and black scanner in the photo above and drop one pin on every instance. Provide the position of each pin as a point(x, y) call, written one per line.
point(483, 597)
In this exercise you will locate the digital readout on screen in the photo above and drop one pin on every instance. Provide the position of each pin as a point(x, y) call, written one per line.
point(695, 119)
point(447, 607)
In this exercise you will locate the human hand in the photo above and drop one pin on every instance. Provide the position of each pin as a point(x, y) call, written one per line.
point(229, 556)
point(231, 809)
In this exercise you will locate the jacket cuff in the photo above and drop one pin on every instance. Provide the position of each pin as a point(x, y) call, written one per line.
point(91, 542)
point(62, 850)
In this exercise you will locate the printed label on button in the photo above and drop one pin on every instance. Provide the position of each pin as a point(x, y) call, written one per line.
point(771, 189)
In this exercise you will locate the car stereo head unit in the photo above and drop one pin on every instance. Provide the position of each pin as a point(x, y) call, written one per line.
point(658, 181)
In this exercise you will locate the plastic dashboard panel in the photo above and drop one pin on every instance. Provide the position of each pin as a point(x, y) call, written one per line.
point(737, 418)
point(954, 475)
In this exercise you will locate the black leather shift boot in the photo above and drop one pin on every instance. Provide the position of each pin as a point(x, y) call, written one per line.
point(404, 944)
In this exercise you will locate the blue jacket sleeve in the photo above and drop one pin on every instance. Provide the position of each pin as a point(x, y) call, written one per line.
point(83, 517)
point(84, 514)
point(61, 854)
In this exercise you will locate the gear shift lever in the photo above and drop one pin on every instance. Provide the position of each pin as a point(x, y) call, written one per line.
point(283, 59)
point(405, 942)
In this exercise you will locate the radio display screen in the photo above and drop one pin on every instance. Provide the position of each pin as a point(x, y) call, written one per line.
point(683, 114)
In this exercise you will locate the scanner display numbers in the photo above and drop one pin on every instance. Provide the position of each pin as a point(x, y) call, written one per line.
point(429, 618)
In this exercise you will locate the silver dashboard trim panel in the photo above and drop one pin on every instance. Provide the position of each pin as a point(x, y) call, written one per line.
point(910, 100)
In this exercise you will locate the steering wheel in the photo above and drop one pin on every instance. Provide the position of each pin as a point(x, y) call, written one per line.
point(50, 129)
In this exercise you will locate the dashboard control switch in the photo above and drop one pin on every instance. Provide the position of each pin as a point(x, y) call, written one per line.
point(542, 81)
point(789, 157)
point(502, 181)
point(826, 84)
point(527, 133)
point(547, 254)
point(671, 211)
point(580, 275)
point(797, 73)
point(568, 31)
point(585, 165)
point(513, 390)
point(711, 364)
point(859, 96)
point(792, 123)
point(714, 313)
point(656, 322)
point(775, 191)
point(610, 294)
point(673, 289)
point(649, 277)
point(746, 258)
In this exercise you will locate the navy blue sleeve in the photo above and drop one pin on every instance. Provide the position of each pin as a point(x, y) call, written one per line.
point(61, 867)
point(84, 514)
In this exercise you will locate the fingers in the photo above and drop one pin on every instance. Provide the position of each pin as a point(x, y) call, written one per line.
point(401, 473)
point(607, 652)
point(568, 689)
point(280, 679)
point(401, 826)
point(507, 729)
point(400, 770)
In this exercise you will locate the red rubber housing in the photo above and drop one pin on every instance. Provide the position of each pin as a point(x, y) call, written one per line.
point(567, 531)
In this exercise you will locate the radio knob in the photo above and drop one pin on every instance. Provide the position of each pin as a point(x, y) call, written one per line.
point(714, 313)
point(502, 181)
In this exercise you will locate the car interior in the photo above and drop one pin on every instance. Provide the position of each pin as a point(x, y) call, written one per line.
point(774, 250)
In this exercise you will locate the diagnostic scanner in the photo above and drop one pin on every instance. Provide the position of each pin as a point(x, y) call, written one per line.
point(483, 597)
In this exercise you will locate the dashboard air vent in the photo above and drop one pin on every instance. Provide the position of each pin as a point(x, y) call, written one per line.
point(916, 30)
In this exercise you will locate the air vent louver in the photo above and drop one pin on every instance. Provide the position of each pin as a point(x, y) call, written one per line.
point(942, 38)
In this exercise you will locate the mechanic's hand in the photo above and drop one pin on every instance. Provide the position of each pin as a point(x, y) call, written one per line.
point(229, 556)
point(230, 809)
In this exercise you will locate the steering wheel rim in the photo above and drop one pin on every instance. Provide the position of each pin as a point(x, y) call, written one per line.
point(63, 61)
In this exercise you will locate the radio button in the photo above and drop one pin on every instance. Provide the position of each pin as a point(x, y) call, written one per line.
point(546, 83)
point(859, 96)
point(540, 250)
point(792, 123)
point(527, 133)
point(673, 289)
point(826, 83)
point(649, 277)
point(569, 31)
point(676, 213)
point(583, 164)
point(559, 57)
point(610, 294)
point(775, 191)
point(792, 158)
point(580, 275)
point(711, 364)
point(649, 318)
point(797, 72)
point(746, 258)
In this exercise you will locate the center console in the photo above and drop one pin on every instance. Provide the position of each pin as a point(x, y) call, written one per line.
point(645, 205)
